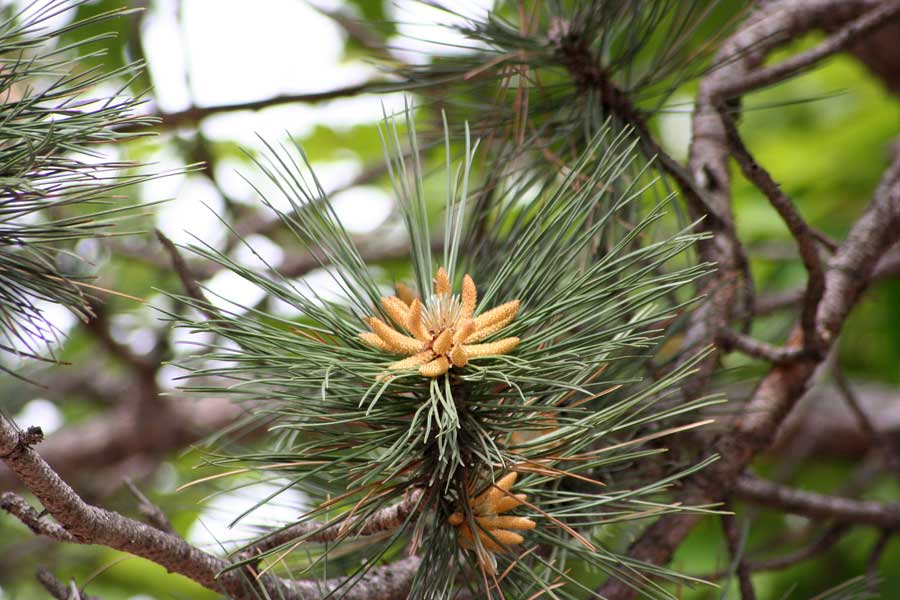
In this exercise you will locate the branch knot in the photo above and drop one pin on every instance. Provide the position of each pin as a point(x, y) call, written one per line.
point(26, 439)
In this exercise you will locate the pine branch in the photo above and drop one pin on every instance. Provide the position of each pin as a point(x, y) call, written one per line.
point(87, 524)
point(817, 506)
point(847, 273)
point(152, 513)
point(857, 29)
point(802, 232)
point(736, 544)
point(384, 519)
point(195, 114)
point(730, 339)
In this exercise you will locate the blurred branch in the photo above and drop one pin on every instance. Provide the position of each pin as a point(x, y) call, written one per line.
point(799, 229)
point(99, 327)
point(58, 589)
point(847, 274)
point(195, 114)
point(736, 542)
point(154, 514)
point(184, 274)
point(356, 30)
point(888, 266)
point(880, 52)
point(820, 544)
point(118, 435)
point(869, 22)
point(825, 425)
point(817, 506)
point(885, 443)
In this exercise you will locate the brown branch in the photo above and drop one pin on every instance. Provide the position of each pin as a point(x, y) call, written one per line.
point(800, 230)
point(384, 519)
point(850, 269)
point(817, 506)
point(152, 513)
point(187, 279)
point(852, 32)
point(875, 558)
point(57, 588)
point(888, 266)
point(195, 114)
point(730, 339)
point(89, 524)
point(735, 542)
point(880, 52)
point(35, 521)
point(820, 544)
point(824, 425)
point(848, 272)
point(99, 327)
point(885, 443)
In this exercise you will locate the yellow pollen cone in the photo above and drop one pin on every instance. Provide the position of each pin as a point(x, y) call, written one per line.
point(488, 543)
point(435, 368)
point(373, 340)
point(414, 323)
point(490, 496)
point(465, 329)
point(505, 522)
point(402, 344)
point(442, 283)
point(413, 361)
point(442, 343)
point(504, 312)
point(396, 309)
point(491, 348)
point(458, 357)
point(507, 503)
point(503, 536)
point(469, 298)
point(405, 293)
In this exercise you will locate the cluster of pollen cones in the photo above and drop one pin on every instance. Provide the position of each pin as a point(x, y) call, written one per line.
point(441, 332)
point(494, 530)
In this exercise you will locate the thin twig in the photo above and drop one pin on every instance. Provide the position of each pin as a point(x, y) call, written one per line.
point(35, 521)
point(736, 541)
point(384, 519)
point(874, 559)
point(187, 279)
point(195, 114)
point(154, 514)
point(800, 230)
point(820, 544)
point(57, 588)
point(730, 339)
point(884, 441)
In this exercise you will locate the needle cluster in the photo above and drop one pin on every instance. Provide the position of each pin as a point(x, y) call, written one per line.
point(456, 392)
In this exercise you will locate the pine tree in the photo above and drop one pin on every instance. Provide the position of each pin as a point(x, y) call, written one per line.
point(499, 414)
